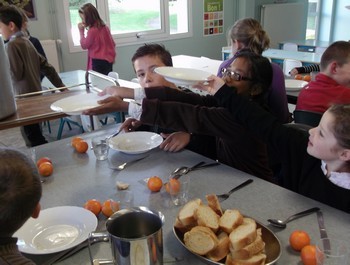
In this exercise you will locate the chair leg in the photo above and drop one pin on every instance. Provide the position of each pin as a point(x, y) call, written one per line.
point(60, 129)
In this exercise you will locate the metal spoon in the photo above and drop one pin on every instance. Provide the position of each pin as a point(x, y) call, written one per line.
point(283, 224)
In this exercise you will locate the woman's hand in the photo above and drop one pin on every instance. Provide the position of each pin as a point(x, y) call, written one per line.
point(81, 25)
point(175, 142)
point(213, 84)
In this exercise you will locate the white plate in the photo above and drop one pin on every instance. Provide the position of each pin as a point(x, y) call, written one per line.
point(75, 105)
point(182, 76)
point(294, 85)
point(135, 142)
point(56, 229)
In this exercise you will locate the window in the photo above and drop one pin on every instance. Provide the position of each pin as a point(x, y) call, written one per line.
point(312, 19)
point(134, 21)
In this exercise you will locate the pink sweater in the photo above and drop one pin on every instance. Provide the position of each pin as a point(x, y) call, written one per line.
point(99, 43)
point(318, 95)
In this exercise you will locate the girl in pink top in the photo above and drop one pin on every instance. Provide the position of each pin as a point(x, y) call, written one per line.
point(98, 40)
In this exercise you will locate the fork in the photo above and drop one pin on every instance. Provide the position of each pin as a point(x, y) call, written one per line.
point(122, 166)
point(225, 196)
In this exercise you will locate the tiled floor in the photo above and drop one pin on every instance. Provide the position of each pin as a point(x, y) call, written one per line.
point(13, 138)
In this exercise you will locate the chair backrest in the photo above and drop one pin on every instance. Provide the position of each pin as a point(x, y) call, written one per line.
point(289, 46)
point(311, 118)
point(289, 64)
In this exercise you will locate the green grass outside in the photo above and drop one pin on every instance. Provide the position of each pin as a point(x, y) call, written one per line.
point(130, 21)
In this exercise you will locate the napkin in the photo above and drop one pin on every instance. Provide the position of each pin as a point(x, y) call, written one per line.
point(7, 100)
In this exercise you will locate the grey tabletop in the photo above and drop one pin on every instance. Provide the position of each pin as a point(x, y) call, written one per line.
point(79, 177)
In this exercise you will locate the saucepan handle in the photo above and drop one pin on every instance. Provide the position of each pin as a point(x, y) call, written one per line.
point(98, 237)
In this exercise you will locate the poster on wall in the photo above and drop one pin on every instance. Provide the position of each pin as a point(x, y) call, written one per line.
point(213, 17)
point(26, 5)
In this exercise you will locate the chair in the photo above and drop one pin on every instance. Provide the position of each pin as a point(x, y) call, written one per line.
point(289, 64)
point(69, 123)
point(311, 118)
point(289, 46)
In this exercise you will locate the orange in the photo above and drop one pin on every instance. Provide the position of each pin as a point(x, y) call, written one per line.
point(93, 206)
point(41, 160)
point(173, 186)
point(81, 146)
point(307, 78)
point(155, 183)
point(75, 140)
point(298, 77)
point(299, 239)
point(109, 207)
point(45, 169)
point(308, 255)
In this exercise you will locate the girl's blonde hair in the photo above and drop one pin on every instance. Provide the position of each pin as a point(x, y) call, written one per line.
point(250, 33)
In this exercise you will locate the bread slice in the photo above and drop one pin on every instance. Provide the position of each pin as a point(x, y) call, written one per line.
point(244, 234)
point(186, 214)
point(230, 220)
point(200, 240)
point(222, 249)
point(257, 246)
point(183, 228)
point(214, 203)
point(258, 259)
point(205, 216)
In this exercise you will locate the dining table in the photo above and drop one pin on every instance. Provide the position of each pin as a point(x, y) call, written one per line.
point(306, 58)
point(36, 108)
point(306, 45)
point(80, 177)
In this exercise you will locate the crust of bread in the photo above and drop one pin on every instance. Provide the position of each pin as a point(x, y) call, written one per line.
point(214, 203)
point(244, 234)
point(222, 249)
point(205, 216)
point(230, 220)
point(258, 259)
point(200, 240)
point(257, 246)
point(186, 213)
point(182, 228)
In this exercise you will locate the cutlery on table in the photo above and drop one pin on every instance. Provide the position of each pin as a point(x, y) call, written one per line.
point(113, 135)
point(283, 224)
point(323, 232)
point(123, 165)
point(177, 173)
point(222, 197)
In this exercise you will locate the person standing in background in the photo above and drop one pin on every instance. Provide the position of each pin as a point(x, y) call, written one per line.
point(26, 64)
point(98, 40)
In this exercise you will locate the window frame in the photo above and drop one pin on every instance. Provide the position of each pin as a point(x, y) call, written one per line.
point(138, 37)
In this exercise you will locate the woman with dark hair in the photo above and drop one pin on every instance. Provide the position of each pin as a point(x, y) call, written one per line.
point(98, 40)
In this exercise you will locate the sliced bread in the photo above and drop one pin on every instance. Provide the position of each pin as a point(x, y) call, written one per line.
point(214, 203)
point(222, 249)
point(200, 240)
point(186, 213)
point(230, 220)
point(257, 246)
point(243, 235)
point(205, 216)
point(258, 259)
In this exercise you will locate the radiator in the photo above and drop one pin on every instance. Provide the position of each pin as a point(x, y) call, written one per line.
point(51, 51)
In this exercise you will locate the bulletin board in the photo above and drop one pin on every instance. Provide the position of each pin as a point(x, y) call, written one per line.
point(284, 22)
point(213, 17)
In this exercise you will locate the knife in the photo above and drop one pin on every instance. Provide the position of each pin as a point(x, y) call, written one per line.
point(323, 232)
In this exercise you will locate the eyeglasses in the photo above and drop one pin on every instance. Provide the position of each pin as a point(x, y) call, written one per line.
point(232, 74)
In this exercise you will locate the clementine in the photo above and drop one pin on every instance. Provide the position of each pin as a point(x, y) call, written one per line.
point(299, 239)
point(42, 160)
point(155, 183)
point(45, 169)
point(81, 146)
point(308, 255)
point(173, 186)
point(109, 207)
point(307, 78)
point(298, 77)
point(75, 140)
point(93, 206)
